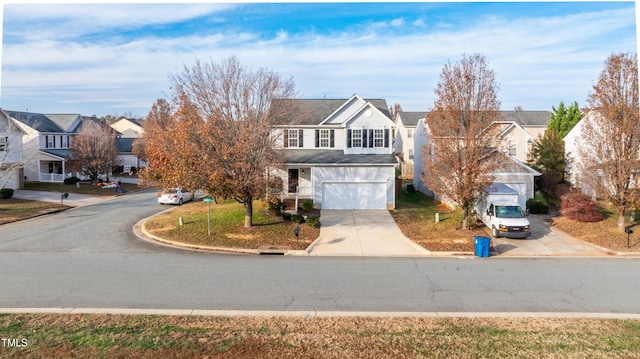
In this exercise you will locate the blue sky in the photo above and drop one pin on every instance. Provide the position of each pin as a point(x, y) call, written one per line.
point(114, 59)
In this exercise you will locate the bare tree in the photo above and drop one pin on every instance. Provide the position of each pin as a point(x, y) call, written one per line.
point(221, 129)
point(610, 146)
point(93, 149)
point(394, 110)
point(458, 165)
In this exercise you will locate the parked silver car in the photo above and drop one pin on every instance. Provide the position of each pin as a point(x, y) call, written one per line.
point(176, 195)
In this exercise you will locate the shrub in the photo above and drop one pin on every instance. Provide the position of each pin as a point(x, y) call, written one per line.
point(276, 206)
point(538, 204)
point(71, 180)
point(286, 216)
point(579, 207)
point(6, 192)
point(313, 221)
point(307, 205)
point(296, 218)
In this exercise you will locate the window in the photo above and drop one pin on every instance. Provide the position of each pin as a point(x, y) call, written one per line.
point(356, 137)
point(293, 138)
point(411, 153)
point(65, 141)
point(409, 132)
point(513, 147)
point(324, 138)
point(51, 141)
point(4, 143)
point(378, 137)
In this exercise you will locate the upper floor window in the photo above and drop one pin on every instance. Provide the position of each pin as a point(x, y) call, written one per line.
point(356, 137)
point(325, 138)
point(411, 153)
point(51, 141)
point(513, 147)
point(64, 141)
point(409, 132)
point(4, 143)
point(293, 138)
point(378, 137)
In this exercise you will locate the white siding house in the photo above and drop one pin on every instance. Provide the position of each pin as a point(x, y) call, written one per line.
point(11, 156)
point(340, 154)
point(512, 172)
point(406, 123)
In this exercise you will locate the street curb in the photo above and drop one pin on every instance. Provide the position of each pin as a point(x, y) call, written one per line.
point(38, 215)
point(319, 314)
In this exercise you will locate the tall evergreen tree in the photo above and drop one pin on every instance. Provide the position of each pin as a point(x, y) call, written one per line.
point(549, 159)
point(564, 118)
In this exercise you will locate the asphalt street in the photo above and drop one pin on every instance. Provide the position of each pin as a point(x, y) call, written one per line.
point(89, 258)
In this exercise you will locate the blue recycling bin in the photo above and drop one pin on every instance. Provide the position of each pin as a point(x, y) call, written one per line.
point(482, 245)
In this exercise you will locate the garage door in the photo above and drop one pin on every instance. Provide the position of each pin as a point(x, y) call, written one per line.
point(340, 195)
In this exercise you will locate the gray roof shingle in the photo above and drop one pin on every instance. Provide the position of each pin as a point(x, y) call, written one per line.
point(527, 118)
point(336, 157)
point(124, 144)
point(410, 119)
point(314, 111)
point(38, 121)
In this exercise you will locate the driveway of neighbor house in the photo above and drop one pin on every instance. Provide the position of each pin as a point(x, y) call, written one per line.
point(545, 240)
point(362, 232)
point(74, 200)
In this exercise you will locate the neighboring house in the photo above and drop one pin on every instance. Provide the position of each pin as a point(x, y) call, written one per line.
point(126, 157)
point(11, 156)
point(129, 128)
point(571, 142)
point(512, 172)
point(340, 154)
point(519, 130)
point(406, 123)
point(46, 143)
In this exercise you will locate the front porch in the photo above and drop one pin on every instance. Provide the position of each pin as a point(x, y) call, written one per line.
point(51, 171)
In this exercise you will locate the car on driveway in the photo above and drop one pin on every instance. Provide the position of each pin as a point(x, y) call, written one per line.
point(176, 195)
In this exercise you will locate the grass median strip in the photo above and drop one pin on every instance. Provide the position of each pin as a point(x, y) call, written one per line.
point(117, 336)
point(12, 209)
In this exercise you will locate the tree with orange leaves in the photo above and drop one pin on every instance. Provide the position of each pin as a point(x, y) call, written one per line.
point(216, 135)
point(457, 163)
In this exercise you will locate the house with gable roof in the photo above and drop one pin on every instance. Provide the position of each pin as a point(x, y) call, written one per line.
point(406, 123)
point(11, 156)
point(46, 143)
point(339, 154)
point(514, 127)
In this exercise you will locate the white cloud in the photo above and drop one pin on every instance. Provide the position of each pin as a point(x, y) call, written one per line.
point(538, 62)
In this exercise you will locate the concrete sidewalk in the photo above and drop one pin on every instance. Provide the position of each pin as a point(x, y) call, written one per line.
point(362, 233)
point(74, 200)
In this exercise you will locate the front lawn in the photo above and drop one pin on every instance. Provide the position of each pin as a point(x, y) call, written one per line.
point(84, 188)
point(14, 209)
point(604, 233)
point(227, 227)
point(415, 215)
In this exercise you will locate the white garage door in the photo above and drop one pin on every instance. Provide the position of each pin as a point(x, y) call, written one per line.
point(340, 195)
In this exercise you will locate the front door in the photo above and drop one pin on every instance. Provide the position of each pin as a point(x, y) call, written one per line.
point(293, 180)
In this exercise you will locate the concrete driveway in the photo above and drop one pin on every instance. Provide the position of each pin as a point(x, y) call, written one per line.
point(362, 233)
point(545, 240)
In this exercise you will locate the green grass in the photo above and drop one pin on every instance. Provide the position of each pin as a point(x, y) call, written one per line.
point(13, 209)
point(227, 227)
point(415, 214)
point(121, 336)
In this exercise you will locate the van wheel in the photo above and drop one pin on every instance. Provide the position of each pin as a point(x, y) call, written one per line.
point(495, 233)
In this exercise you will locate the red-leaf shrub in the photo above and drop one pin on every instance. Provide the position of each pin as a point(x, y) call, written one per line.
point(579, 207)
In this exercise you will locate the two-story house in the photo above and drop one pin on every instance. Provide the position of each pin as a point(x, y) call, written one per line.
point(130, 130)
point(519, 129)
point(406, 123)
point(512, 171)
point(11, 158)
point(339, 154)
